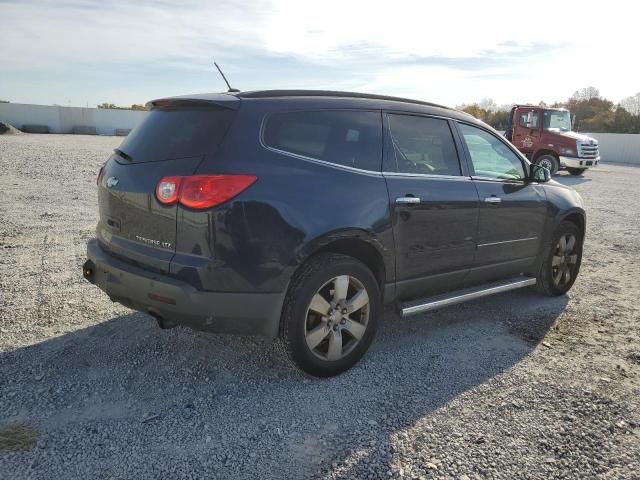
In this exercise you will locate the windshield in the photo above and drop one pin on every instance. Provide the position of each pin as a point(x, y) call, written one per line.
point(557, 120)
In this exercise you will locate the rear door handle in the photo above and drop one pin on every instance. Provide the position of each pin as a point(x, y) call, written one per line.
point(493, 199)
point(408, 200)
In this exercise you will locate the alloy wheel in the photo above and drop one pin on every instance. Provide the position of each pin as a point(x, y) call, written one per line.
point(337, 318)
point(546, 163)
point(564, 260)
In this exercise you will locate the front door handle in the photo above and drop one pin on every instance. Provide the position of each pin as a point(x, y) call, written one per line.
point(493, 199)
point(408, 200)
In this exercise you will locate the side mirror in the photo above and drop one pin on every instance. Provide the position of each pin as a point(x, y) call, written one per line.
point(540, 173)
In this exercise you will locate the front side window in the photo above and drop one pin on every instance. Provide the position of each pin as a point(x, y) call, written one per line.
point(349, 138)
point(489, 156)
point(423, 145)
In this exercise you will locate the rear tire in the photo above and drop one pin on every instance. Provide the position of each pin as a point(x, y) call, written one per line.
point(576, 171)
point(550, 162)
point(330, 314)
point(561, 260)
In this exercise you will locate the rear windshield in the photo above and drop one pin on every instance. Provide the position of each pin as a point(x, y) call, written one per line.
point(350, 138)
point(177, 133)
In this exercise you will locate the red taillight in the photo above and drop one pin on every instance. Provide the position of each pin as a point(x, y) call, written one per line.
point(202, 191)
point(99, 177)
point(168, 189)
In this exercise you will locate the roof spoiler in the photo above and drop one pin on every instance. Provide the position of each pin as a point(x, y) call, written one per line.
point(223, 100)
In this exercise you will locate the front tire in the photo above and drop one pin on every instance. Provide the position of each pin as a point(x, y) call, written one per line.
point(550, 162)
point(562, 259)
point(576, 171)
point(330, 314)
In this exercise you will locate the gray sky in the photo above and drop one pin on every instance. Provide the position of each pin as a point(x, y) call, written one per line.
point(78, 52)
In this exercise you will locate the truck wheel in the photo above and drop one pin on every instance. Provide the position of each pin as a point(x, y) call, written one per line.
point(549, 162)
point(562, 260)
point(576, 171)
point(330, 314)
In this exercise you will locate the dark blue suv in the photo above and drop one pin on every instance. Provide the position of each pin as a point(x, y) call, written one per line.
point(298, 214)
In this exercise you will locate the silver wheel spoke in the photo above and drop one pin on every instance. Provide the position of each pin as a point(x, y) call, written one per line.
point(562, 244)
point(330, 333)
point(356, 329)
point(558, 276)
point(340, 286)
point(557, 260)
point(567, 274)
point(572, 259)
point(571, 243)
point(317, 335)
point(358, 301)
point(335, 345)
point(319, 304)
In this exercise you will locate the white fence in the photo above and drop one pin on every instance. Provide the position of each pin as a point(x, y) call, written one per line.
point(618, 147)
point(65, 119)
point(614, 147)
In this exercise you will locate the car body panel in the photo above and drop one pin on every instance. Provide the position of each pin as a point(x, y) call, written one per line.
point(299, 206)
point(502, 233)
point(259, 237)
point(132, 222)
point(436, 238)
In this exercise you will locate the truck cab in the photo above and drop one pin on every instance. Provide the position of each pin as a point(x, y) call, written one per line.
point(544, 135)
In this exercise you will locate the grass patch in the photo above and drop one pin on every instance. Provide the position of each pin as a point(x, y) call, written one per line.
point(17, 437)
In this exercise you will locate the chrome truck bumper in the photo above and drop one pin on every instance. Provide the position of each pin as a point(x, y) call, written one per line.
point(573, 162)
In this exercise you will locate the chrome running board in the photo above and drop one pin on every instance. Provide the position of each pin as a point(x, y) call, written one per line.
point(459, 296)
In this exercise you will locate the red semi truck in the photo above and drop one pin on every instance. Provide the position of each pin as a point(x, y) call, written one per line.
point(544, 135)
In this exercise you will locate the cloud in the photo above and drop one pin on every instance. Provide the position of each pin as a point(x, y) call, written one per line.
point(446, 51)
point(88, 32)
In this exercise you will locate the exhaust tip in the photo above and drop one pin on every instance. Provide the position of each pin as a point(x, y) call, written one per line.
point(163, 323)
point(87, 270)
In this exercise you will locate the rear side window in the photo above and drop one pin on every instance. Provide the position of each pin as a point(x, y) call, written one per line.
point(177, 133)
point(349, 138)
point(524, 119)
point(423, 145)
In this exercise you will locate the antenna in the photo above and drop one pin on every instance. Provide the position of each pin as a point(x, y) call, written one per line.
point(234, 90)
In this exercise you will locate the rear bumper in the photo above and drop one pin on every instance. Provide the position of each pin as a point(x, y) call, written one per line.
point(177, 302)
point(573, 162)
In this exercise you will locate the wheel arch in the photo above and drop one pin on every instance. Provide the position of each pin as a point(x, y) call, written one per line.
point(577, 217)
point(354, 244)
point(358, 244)
point(539, 153)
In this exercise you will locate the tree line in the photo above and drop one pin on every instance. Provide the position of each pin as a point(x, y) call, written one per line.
point(113, 106)
point(589, 110)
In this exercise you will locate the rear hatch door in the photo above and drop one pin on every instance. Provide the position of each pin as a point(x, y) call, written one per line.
point(172, 141)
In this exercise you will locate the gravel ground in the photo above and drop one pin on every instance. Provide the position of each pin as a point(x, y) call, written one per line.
point(512, 386)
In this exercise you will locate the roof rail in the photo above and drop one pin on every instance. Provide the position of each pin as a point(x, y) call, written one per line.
point(330, 93)
point(529, 105)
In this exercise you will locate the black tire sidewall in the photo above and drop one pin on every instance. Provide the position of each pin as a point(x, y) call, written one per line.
point(546, 277)
point(554, 162)
point(324, 269)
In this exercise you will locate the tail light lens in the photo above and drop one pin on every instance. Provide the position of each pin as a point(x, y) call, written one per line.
point(168, 189)
point(202, 191)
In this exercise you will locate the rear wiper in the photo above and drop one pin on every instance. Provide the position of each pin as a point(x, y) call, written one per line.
point(126, 156)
